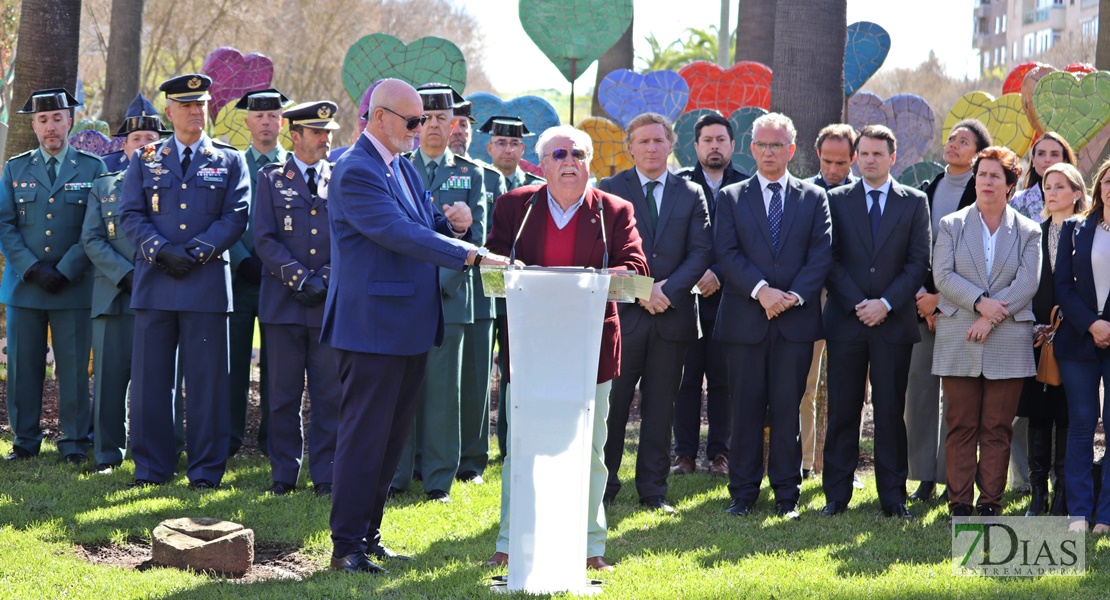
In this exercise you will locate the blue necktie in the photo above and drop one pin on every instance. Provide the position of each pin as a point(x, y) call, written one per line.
point(404, 187)
point(875, 215)
point(774, 213)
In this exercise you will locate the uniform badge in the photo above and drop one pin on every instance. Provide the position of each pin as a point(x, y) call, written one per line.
point(111, 229)
point(289, 175)
point(154, 203)
point(166, 151)
point(463, 168)
point(24, 184)
point(194, 83)
point(288, 223)
point(324, 112)
point(207, 151)
point(278, 185)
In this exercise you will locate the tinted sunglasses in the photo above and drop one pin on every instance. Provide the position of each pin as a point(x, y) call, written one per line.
point(410, 122)
point(561, 154)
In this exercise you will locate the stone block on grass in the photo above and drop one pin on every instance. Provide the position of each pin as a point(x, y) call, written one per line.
point(204, 544)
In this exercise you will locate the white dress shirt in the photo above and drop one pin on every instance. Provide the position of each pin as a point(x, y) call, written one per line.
point(763, 183)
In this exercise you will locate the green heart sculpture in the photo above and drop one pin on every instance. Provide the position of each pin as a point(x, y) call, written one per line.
point(1077, 109)
point(426, 60)
point(575, 33)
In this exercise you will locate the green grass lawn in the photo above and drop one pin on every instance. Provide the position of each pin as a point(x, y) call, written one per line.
point(46, 510)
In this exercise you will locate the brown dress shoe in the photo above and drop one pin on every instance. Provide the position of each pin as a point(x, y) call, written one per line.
point(683, 465)
point(598, 563)
point(499, 559)
point(719, 465)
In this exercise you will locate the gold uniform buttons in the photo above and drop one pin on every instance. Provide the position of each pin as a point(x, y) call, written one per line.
point(183, 226)
point(184, 206)
point(313, 231)
point(184, 186)
point(313, 212)
point(47, 248)
point(312, 251)
point(50, 216)
point(51, 201)
point(300, 271)
point(48, 232)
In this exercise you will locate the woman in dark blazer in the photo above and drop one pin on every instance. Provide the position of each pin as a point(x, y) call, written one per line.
point(1081, 347)
point(1046, 405)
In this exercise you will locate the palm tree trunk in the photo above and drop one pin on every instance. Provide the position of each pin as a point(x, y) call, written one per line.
point(755, 31)
point(1102, 50)
point(121, 82)
point(620, 56)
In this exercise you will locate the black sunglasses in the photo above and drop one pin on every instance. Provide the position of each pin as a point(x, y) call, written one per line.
point(410, 122)
point(561, 154)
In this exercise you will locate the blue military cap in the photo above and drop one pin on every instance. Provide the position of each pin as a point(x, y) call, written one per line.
point(439, 96)
point(187, 88)
point(258, 100)
point(505, 126)
point(313, 115)
point(141, 116)
point(48, 100)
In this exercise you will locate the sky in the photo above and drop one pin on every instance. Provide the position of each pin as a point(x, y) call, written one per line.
point(514, 64)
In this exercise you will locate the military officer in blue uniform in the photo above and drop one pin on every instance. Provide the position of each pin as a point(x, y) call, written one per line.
point(113, 321)
point(434, 449)
point(264, 122)
point(292, 237)
point(47, 277)
point(506, 149)
point(185, 202)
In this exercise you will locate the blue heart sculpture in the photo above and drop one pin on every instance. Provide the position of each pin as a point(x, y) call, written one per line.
point(741, 120)
point(624, 94)
point(91, 140)
point(866, 49)
point(537, 114)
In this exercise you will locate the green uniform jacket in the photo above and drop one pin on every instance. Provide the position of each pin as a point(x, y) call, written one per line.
point(112, 255)
point(495, 186)
point(245, 246)
point(42, 222)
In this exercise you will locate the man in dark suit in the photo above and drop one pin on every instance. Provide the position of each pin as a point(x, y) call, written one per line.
point(673, 222)
point(184, 204)
point(773, 239)
point(881, 247)
point(383, 311)
point(705, 358)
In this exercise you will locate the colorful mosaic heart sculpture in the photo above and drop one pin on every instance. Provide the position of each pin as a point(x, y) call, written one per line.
point(909, 116)
point(234, 75)
point(864, 53)
point(624, 94)
point(379, 55)
point(93, 124)
point(91, 140)
point(743, 84)
point(1028, 86)
point(229, 127)
point(1077, 109)
point(741, 120)
point(610, 154)
point(572, 34)
point(537, 114)
point(917, 175)
point(1012, 84)
point(1004, 117)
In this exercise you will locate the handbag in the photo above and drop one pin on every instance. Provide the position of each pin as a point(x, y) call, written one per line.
point(1048, 371)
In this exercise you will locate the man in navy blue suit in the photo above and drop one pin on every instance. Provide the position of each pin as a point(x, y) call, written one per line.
point(383, 311)
point(773, 237)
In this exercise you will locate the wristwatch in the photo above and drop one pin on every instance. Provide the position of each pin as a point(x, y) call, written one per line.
point(479, 254)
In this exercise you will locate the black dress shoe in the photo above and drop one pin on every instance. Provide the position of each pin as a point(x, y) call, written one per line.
point(18, 453)
point(75, 459)
point(806, 473)
point(788, 509)
point(987, 510)
point(356, 563)
point(924, 492)
point(658, 503)
point(438, 496)
point(280, 489)
point(898, 511)
point(141, 483)
point(470, 477)
point(202, 484)
point(392, 491)
point(739, 508)
point(834, 508)
point(381, 552)
point(961, 510)
point(321, 489)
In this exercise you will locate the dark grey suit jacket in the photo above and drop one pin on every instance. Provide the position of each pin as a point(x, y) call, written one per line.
point(679, 250)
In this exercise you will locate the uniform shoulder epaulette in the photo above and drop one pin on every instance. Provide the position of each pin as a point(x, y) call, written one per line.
point(485, 165)
point(87, 153)
point(271, 166)
point(469, 161)
point(220, 144)
point(112, 174)
point(529, 178)
point(22, 154)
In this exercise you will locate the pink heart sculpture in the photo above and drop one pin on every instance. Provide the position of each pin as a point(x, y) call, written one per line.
point(909, 116)
point(234, 75)
point(743, 84)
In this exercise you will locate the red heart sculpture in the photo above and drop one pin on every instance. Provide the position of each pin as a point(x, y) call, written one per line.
point(234, 75)
point(744, 84)
point(1080, 69)
point(1012, 85)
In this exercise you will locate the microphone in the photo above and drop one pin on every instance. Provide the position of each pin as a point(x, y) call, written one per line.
point(604, 240)
point(512, 249)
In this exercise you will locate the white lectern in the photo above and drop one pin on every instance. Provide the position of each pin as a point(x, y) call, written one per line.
point(555, 320)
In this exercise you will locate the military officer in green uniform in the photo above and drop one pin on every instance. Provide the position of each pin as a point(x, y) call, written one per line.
point(113, 321)
point(506, 148)
point(47, 277)
point(435, 447)
point(264, 122)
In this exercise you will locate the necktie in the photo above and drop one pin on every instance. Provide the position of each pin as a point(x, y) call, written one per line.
point(52, 169)
point(411, 205)
point(431, 173)
point(653, 208)
point(875, 214)
point(263, 160)
point(311, 173)
point(774, 212)
point(186, 158)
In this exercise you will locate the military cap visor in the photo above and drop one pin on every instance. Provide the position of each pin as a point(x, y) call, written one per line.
point(465, 110)
point(437, 99)
point(313, 115)
point(505, 127)
point(141, 123)
point(187, 88)
point(49, 100)
point(261, 100)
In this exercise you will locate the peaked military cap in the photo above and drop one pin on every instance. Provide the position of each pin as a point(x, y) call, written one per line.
point(187, 88)
point(268, 99)
point(439, 96)
point(48, 100)
point(141, 116)
point(313, 115)
point(505, 126)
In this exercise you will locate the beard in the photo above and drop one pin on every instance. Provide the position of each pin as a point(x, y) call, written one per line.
point(403, 143)
point(715, 161)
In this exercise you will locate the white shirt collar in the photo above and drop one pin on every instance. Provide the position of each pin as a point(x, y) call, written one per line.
point(763, 181)
point(884, 188)
point(181, 147)
point(662, 179)
point(303, 167)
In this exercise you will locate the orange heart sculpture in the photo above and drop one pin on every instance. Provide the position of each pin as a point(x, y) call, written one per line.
point(1032, 78)
point(1087, 156)
point(610, 154)
point(1004, 117)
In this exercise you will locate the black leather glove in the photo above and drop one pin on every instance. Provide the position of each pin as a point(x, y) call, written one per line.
point(47, 276)
point(128, 282)
point(250, 269)
point(312, 294)
point(175, 261)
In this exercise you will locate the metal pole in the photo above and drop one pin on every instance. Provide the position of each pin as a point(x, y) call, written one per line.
point(724, 52)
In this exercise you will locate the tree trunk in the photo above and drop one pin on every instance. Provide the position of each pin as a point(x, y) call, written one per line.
point(808, 81)
point(1102, 49)
point(45, 57)
point(620, 56)
point(121, 82)
point(755, 31)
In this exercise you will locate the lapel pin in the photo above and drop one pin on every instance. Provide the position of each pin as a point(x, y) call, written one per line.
point(289, 174)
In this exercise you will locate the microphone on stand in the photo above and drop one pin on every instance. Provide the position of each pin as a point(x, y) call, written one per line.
point(512, 249)
point(604, 240)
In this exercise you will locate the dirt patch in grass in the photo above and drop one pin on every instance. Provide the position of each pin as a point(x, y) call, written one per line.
point(271, 561)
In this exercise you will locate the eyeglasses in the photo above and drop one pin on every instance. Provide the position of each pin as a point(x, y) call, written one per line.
point(509, 144)
point(773, 146)
point(561, 154)
point(410, 122)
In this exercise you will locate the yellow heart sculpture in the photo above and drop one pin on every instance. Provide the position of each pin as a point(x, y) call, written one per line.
point(1004, 117)
point(230, 128)
point(610, 154)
